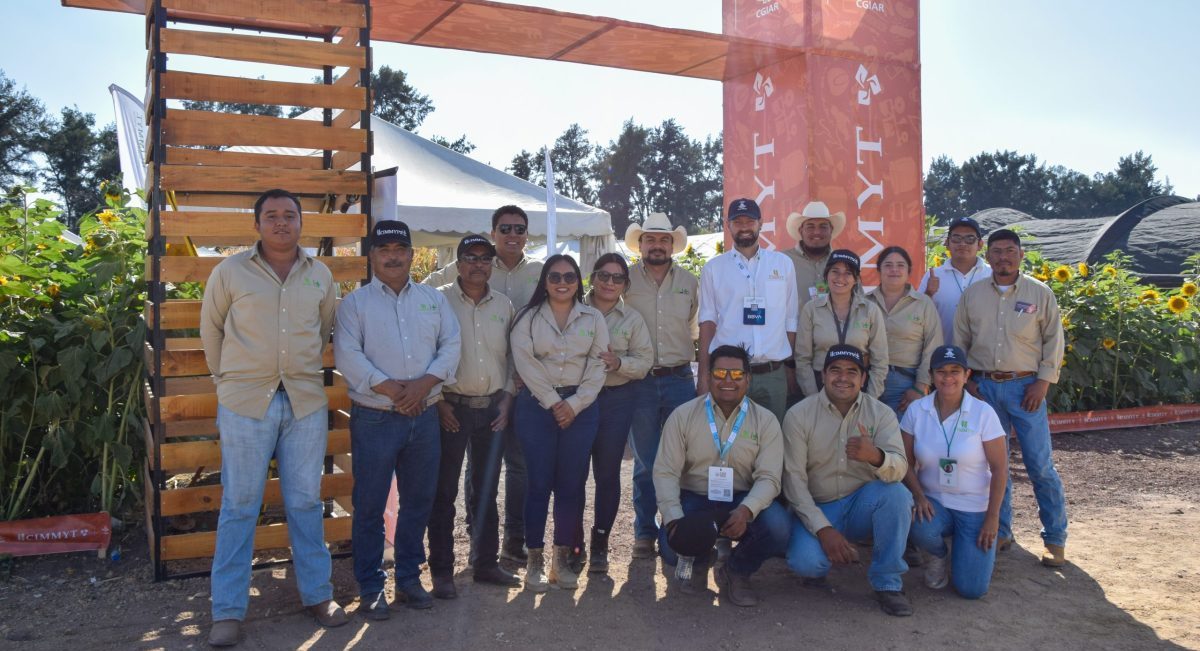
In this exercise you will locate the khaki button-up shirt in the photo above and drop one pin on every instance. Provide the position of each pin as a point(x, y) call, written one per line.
point(259, 331)
point(485, 366)
point(669, 311)
point(629, 341)
point(517, 283)
point(686, 451)
point(816, 469)
point(818, 332)
point(546, 357)
point(1017, 330)
point(810, 274)
point(913, 328)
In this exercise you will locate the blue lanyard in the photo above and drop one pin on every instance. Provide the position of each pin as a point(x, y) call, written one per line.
point(723, 450)
point(949, 438)
point(954, 275)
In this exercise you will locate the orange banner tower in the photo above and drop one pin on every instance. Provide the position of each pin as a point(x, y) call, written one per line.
point(840, 123)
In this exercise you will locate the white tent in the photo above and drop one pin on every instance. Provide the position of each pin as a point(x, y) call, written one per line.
point(442, 195)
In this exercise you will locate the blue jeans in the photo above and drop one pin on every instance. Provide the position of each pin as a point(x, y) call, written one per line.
point(655, 399)
point(615, 406)
point(1033, 431)
point(970, 566)
point(386, 445)
point(247, 445)
point(766, 536)
point(880, 511)
point(898, 381)
point(556, 461)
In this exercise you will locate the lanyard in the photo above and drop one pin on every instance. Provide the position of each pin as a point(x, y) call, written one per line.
point(842, 329)
point(949, 438)
point(954, 275)
point(723, 450)
point(746, 270)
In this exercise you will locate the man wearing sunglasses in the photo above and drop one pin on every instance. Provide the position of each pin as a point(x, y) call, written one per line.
point(946, 284)
point(720, 458)
point(668, 298)
point(515, 275)
point(473, 415)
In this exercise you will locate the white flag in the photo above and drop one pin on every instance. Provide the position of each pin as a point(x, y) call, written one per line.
point(551, 209)
point(131, 140)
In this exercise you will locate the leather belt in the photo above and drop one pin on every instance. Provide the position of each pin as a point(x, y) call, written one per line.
point(664, 371)
point(765, 367)
point(470, 402)
point(1003, 376)
point(566, 392)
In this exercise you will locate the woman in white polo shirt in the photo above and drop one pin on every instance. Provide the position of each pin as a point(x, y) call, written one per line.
point(957, 470)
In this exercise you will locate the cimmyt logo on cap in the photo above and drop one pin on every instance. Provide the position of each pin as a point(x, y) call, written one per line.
point(950, 354)
point(741, 205)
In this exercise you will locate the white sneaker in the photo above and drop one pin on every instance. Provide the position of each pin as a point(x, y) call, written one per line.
point(937, 572)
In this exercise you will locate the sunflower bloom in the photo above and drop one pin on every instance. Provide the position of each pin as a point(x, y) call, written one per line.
point(1089, 290)
point(3, 281)
point(1083, 270)
point(1066, 321)
point(1178, 304)
point(1149, 296)
point(935, 261)
point(1042, 277)
point(107, 217)
point(53, 290)
point(1109, 343)
point(1110, 270)
point(1189, 289)
point(1070, 348)
point(689, 251)
point(1062, 274)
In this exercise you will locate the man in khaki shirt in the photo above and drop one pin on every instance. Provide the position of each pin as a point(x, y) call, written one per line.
point(843, 463)
point(1012, 331)
point(721, 453)
point(813, 229)
point(668, 298)
point(514, 275)
point(473, 413)
point(265, 320)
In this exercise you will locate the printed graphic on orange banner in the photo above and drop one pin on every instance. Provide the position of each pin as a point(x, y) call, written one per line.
point(845, 130)
point(56, 535)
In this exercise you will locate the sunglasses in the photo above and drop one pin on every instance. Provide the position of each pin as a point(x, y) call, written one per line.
point(607, 277)
point(560, 278)
point(734, 374)
point(963, 239)
point(505, 229)
point(474, 259)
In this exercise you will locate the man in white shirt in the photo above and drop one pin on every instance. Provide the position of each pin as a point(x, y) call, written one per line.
point(748, 299)
point(946, 284)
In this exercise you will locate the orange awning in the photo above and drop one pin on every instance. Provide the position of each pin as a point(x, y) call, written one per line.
point(533, 32)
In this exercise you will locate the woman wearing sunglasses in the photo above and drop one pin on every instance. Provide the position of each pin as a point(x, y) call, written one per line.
point(913, 328)
point(629, 357)
point(841, 316)
point(557, 347)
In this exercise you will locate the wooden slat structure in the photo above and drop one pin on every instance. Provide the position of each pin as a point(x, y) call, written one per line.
point(197, 180)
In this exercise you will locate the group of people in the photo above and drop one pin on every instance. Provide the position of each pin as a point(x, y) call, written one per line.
point(821, 416)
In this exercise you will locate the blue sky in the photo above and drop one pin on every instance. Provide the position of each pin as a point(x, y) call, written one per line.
point(1079, 83)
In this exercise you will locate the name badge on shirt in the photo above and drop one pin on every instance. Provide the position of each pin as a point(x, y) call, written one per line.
point(754, 311)
point(948, 475)
point(1025, 308)
point(720, 483)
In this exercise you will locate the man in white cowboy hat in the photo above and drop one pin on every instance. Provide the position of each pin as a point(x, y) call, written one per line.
point(667, 296)
point(813, 229)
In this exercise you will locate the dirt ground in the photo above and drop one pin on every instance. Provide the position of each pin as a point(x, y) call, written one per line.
point(1134, 582)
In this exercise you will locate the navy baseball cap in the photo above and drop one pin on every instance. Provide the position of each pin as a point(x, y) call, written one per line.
point(847, 352)
point(965, 221)
point(847, 256)
point(943, 355)
point(695, 533)
point(388, 231)
point(469, 241)
point(744, 208)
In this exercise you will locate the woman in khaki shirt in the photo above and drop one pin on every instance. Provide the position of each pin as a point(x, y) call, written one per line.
point(629, 357)
point(913, 327)
point(843, 316)
point(557, 343)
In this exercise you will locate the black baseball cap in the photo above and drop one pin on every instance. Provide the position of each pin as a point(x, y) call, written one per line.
point(847, 352)
point(469, 241)
point(943, 355)
point(744, 208)
point(695, 533)
point(388, 231)
point(965, 221)
point(847, 256)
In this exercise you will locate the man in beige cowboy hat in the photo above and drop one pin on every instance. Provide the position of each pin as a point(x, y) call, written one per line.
point(667, 296)
point(814, 229)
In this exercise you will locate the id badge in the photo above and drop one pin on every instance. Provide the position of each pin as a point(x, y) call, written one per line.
point(948, 472)
point(754, 311)
point(720, 483)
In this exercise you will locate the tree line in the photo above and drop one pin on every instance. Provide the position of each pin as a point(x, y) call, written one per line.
point(1007, 179)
